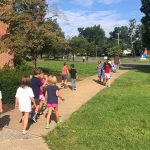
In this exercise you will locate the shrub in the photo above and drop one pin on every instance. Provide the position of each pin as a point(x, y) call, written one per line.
point(10, 81)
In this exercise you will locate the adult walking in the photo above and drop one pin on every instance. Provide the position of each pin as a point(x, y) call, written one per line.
point(117, 61)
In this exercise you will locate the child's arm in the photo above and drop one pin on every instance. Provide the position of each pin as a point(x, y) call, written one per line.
point(59, 95)
point(16, 103)
point(33, 101)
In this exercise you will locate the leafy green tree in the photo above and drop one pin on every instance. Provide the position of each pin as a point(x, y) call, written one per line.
point(24, 34)
point(145, 8)
point(120, 36)
point(95, 35)
point(115, 50)
point(80, 45)
point(30, 33)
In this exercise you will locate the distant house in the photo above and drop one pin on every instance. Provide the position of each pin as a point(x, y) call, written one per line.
point(6, 58)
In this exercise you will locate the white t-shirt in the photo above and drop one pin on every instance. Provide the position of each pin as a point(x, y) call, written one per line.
point(24, 96)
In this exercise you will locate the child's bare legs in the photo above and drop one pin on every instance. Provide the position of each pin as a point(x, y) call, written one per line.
point(48, 116)
point(108, 82)
point(57, 114)
point(65, 83)
point(36, 112)
point(41, 105)
point(25, 118)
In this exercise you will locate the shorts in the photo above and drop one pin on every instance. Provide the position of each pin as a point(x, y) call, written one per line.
point(107, 75)
point(52, 105)
point(64, 77)
point(37, 102)
point(41, 97)
point(0, 95)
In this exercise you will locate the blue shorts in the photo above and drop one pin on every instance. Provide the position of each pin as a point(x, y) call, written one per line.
point(64, 77)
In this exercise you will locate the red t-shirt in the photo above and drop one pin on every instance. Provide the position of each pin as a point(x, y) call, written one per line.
point(64, 70)
point(107, 69)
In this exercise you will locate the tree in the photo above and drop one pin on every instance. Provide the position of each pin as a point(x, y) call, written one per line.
point(24, 34)
point(95, 35)
point(145, 8)
point(115, 50)
point(120, 36)
point(29, 32)
point(79, 45)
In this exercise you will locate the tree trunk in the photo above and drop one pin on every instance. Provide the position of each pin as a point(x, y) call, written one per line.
point(73, 57)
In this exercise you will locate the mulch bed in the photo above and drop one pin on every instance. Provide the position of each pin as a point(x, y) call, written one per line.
point(8, 107)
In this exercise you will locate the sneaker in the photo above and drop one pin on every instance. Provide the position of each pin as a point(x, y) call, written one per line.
point(48, 126)
point(59, 122)
point(34, 120)
point(24, 132)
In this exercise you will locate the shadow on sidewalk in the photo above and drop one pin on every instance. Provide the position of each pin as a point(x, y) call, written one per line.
point(4, 121)
point(98, 82)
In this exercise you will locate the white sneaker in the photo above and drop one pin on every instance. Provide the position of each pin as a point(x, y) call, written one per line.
point(24, 132)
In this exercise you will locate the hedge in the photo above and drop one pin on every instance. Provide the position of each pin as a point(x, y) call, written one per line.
point(10, 81)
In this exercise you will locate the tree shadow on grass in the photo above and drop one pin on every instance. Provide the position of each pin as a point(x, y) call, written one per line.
point(4, 121)
point(143, 68)
point(140, 68)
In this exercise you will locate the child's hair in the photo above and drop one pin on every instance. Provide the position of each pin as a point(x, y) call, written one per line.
point(38, 71)
point(65, 63)
point(25, 81)
point(106, 63)
point(99, 62)
point(72, 65)
point(52, 80)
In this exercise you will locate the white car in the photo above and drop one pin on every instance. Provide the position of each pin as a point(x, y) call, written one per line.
point(127, 52)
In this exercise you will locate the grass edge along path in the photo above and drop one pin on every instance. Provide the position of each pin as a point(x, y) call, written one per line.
point(116, 118)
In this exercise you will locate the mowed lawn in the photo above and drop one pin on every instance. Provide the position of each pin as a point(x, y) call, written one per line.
point(83, 69)
point(118, 118)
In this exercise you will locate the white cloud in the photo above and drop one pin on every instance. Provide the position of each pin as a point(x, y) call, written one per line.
point(91, 2)
point(77, 18)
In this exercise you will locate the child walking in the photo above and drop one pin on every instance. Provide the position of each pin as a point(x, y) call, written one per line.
point(43, 80)
point(36, 84)
point(52, 94)
point(1, 106)
point(24, 97)
point(73, 75)
point(107, 68)
point(99, 67)
point(64, 75)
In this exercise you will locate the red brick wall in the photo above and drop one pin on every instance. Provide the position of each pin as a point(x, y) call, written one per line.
point(7, 57)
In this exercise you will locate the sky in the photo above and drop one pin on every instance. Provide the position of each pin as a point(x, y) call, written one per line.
point(86, 13)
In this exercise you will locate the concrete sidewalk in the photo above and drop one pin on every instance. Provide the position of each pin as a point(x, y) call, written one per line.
point(11, 137)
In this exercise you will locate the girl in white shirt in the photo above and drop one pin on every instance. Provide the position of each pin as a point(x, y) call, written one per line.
point(24, 97)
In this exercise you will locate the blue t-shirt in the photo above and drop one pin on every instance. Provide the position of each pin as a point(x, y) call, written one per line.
point(35, 85)
point(51, 92)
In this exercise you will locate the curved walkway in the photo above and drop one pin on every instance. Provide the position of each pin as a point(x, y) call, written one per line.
point(11, 137)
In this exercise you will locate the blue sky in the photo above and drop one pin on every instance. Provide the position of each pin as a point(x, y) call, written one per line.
point(86, 13)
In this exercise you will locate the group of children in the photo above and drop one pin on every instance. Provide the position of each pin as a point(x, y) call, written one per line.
point(31, 95)
point(104, 71)
point(40, 89)
point(73, 76)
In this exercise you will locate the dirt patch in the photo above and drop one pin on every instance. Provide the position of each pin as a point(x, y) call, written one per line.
point(8, 107)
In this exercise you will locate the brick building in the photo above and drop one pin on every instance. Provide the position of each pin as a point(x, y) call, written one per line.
point(6, 58)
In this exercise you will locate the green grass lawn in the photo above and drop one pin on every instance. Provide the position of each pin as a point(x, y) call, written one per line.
point(118, 118)
point(83, 69)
